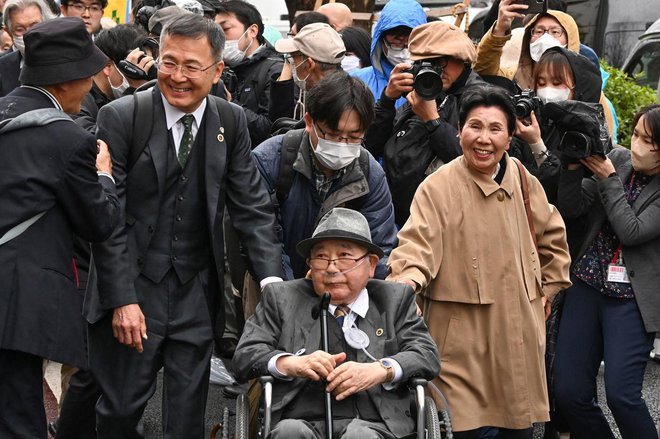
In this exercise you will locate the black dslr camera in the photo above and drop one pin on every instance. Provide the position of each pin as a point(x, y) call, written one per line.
point(427, 79)
point(526, 102)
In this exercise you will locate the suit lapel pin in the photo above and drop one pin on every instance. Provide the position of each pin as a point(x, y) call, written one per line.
point(379, 332)
point(221, 138)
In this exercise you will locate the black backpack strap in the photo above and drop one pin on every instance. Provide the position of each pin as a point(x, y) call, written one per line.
point(288, 154)
point(143, 121)
point(33, 118)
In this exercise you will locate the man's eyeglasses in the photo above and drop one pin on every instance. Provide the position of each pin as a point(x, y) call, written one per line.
point(555, 32)
point(192, 72)
point(342, 264)
point(335, 137)
point(81, 8)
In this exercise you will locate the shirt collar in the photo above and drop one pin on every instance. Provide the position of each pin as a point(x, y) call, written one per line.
point(48, 94)
point(360, 306)
point(486, 183)
point(173, 114)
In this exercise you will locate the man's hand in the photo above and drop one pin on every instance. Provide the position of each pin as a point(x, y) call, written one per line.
point(425, 110)
point(314, 366)
point(103, 160)
point(128, 326)
point(601, 167)
point(528, 130)
point(140, 59)
point(507, 12)
point(352, 377)
point(400, 81)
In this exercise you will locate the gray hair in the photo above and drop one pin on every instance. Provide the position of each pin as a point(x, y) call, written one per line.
point(196, 26)
point(18, 5)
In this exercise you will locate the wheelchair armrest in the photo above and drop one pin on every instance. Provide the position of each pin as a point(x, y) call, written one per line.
point(267, 389)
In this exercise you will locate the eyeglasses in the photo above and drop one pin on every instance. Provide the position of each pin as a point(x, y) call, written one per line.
point(555, 32)
point(336, 137)
point(342, 264)
point(192, 72)
point(81, 8)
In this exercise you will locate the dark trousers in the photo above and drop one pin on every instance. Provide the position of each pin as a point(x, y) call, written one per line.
point(22, 412)
point(494, 433)
point(77, 413)
point(180, 340)
point(595, 327)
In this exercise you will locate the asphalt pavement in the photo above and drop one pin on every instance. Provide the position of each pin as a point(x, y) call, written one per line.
point(217, 402)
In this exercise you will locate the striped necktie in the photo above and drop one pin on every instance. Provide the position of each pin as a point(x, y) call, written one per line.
point(186, 139)
point(340, 312)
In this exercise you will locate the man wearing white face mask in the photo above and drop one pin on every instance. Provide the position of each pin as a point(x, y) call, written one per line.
point(389, 44)
point(549, 29)
point(252, 59)
point(19, 17)
point(324, 165)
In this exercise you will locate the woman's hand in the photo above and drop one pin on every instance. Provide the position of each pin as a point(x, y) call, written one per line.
point(529, 129)
point(507, 12)
point(601, 167)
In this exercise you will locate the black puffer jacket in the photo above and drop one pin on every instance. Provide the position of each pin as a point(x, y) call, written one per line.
point(408, 148)
point(253, 89)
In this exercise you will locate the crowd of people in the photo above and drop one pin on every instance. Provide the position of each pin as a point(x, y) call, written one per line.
point(194, 183)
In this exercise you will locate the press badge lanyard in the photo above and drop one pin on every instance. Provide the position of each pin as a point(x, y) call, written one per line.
point(616, 271)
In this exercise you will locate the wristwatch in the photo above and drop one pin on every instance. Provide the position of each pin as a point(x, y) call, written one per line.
point(387, 365)
point(431, 125)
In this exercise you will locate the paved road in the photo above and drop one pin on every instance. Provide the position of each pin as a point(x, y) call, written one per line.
point(216, 403)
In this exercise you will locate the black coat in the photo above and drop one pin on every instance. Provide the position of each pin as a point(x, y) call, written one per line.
point(10, 69)
point(53, 169)
point(253, 90)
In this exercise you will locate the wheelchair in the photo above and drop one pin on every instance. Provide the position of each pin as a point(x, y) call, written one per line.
point(431, 423)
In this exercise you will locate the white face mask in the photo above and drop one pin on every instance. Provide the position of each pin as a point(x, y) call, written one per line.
point(232, 55)
point(644, 160)
point(19, 44)
point(350, 63)
point(397, 56)
point(119, 91)
point(335, 155)
point(553, 94)
point(538, 47)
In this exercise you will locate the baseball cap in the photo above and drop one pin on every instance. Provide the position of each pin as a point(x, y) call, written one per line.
point(318, 41)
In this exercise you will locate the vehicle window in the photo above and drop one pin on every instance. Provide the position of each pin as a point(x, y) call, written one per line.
point(647, 67)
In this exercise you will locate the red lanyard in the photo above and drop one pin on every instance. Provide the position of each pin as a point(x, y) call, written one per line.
point(615, 258)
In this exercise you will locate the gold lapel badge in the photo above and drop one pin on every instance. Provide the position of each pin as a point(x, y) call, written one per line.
point(379, 332)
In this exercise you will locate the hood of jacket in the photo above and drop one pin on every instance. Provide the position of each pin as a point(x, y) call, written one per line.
point(525, 66)
point(395, 13)
point(585, 75)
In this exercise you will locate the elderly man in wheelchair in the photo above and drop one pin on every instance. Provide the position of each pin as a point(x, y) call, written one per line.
point(376, 341)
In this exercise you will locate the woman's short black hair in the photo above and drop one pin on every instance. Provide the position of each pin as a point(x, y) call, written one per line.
point(358, 41)
point(336, 93)
point(651, 115)
point(487, 96)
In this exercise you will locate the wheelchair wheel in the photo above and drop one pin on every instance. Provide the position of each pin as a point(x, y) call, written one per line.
point(432, 422)
point(242, 424)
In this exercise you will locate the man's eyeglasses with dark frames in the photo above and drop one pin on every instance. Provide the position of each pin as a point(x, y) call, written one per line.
point(81, 8)
point(555, 32)
point(336, 138)
point(342, 264)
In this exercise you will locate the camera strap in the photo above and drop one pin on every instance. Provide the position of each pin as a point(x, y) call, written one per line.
point(525, 193)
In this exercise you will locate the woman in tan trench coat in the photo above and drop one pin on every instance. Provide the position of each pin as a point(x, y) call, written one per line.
point(468, 250)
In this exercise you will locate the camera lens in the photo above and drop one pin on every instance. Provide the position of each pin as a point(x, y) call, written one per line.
point(523, 109)
point(428, 84)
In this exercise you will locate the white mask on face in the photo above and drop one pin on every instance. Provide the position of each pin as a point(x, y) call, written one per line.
point(119, 91)
point(335, 155)
point(397, 56)
point(19, 44)
point(350, 63)
point(643, 159)
point(538, 47)
point(553, 94)
point(232, 55)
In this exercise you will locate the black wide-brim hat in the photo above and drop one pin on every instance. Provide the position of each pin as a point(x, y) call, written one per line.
point(342, 224)
point(60, 50)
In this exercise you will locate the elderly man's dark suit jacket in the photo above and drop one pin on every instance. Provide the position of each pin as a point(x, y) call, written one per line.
point(50, 168)
point(283, 323)
point(10, 69)
point(230, 177)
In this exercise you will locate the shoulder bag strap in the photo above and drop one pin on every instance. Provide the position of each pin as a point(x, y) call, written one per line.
point(525, 193)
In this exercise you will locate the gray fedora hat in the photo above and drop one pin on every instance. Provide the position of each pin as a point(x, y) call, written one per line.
point(60, 50)
point(343, 224)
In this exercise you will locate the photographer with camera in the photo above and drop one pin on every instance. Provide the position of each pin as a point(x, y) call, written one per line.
point(562, 79)
point(613, 308)
point(421, 135)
